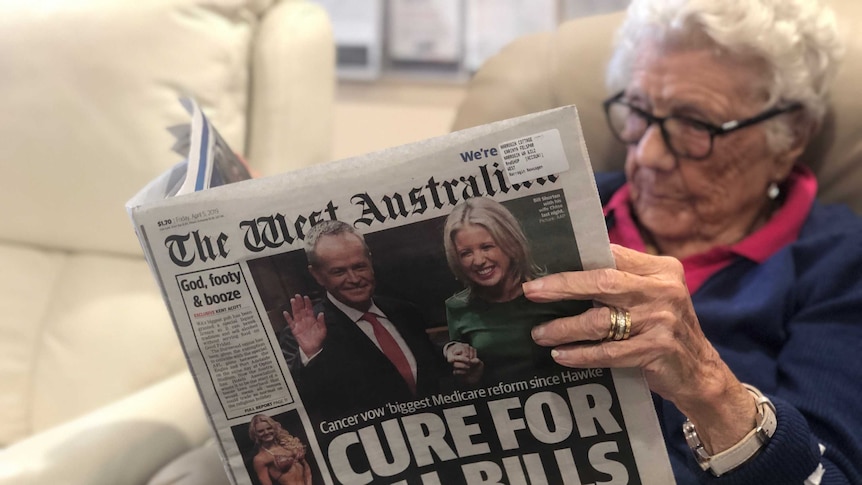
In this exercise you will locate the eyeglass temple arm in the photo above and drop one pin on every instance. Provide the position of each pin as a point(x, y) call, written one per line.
point(736, 124)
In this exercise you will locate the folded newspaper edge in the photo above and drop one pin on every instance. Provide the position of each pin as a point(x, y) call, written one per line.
point(209, 161)
point(228, 257)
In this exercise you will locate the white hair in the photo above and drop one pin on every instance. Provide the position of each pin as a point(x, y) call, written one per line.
point(797, 40)
point(328, 228)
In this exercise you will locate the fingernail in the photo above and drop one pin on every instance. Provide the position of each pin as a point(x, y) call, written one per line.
point(535, 285)
point(555, 353)
point(538, 332)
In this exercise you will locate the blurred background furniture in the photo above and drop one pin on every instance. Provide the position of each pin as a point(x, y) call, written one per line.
point(567, 66)
point(94, 388)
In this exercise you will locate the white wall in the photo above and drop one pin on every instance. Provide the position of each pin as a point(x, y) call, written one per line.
point(373, 116)
point(401, 108)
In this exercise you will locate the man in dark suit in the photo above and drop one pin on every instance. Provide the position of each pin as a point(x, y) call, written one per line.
point(355, 350)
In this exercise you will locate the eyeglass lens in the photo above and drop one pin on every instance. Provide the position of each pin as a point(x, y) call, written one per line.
point(686, 139)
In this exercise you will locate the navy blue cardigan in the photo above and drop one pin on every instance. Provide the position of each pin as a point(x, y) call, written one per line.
point(792, 327)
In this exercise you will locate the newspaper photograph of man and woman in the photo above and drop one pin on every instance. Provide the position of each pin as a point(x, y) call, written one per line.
point(411, 351)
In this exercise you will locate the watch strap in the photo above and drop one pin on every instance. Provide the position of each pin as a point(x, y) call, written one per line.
point(742, 451)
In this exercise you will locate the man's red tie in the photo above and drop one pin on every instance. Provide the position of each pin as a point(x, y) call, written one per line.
point(391, 350)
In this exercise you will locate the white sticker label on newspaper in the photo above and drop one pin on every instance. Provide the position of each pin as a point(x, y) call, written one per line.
point(534, 156)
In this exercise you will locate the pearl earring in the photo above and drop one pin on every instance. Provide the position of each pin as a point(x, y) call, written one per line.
point(773, 191)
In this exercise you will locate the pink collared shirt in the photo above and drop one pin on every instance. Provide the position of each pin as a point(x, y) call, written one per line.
point(781, 229)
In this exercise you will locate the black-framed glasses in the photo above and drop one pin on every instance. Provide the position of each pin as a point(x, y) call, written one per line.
point(685, 137)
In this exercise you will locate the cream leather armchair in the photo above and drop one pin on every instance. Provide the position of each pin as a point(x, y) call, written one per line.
point(567, 66)
point(94, 388)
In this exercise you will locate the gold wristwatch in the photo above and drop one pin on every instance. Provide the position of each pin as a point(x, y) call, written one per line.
point(750, 445)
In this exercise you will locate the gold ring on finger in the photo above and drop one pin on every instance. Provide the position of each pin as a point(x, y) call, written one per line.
point(628, 327)
point(621, 324)
point(617, 322)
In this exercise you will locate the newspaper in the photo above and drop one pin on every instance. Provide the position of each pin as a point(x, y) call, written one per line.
point(297, 382)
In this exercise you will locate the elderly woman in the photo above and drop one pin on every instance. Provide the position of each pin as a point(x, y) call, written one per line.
point(735, 291)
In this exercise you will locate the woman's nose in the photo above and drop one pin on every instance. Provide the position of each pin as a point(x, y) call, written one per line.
point(652, 150)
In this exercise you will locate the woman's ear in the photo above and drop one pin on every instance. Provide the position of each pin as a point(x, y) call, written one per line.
point(802, 129)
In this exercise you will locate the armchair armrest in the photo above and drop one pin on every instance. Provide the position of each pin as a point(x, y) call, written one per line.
point(125, 442)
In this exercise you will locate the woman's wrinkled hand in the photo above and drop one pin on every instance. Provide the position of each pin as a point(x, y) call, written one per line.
point(666, 340)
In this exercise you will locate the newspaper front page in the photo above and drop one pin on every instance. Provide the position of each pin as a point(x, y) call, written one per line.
point(333, 370)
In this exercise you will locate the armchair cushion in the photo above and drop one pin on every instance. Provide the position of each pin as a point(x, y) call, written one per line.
point(126, 442)
point(89, 88)
point(79, 330)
